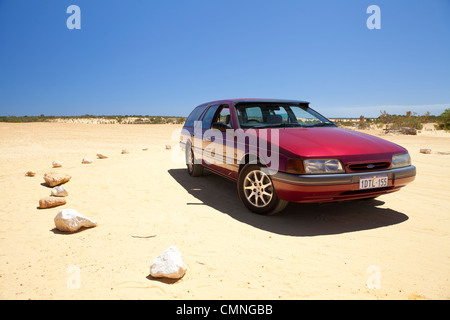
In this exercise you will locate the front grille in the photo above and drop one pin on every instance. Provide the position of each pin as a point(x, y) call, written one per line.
point(371, 166)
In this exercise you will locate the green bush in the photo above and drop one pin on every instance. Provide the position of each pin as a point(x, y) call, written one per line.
point(444, 120)
point(397, 122)
point(120, 119)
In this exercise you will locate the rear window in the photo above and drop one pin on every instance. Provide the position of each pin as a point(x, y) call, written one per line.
point(194, 116)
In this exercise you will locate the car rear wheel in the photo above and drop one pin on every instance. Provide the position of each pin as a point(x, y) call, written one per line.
point(194, 169)
point(257, 192)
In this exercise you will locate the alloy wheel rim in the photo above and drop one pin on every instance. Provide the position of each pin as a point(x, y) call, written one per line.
point(258, 188)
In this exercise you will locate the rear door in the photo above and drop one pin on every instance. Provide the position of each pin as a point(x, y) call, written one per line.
point(218, 155)
point(203, 138)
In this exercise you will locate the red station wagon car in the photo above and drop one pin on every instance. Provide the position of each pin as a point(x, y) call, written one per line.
point(281, 151)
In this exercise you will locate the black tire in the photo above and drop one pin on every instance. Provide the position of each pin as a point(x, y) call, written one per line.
point(194, 169)
point(256, 190)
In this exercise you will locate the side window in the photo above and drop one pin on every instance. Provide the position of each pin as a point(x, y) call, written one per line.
point(209, 115)
point(223, 116)
point(194, 116)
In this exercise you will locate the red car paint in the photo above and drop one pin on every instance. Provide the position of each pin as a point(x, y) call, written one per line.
point(358, 152)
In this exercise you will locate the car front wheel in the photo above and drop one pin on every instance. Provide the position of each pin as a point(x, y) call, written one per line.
point(257, 192)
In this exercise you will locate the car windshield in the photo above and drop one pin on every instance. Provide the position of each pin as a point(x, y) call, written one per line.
point(275, 115)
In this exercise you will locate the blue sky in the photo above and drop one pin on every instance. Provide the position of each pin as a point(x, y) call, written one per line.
point(164, 57)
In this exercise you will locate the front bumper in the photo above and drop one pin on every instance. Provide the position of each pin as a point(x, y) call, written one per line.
point(336, 187)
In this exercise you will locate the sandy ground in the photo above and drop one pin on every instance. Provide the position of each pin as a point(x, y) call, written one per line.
point(395, 247)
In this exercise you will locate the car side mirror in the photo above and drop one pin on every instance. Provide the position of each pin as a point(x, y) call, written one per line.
point(220, 126)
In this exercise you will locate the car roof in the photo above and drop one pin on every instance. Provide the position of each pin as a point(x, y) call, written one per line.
point(254, 100)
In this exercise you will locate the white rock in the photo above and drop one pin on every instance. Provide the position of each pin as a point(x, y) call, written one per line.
point(50, 202)
point(69, 220)
point(168, 264)
point(57, 164)
point(54, 179)
point(86, 161)
point(60, 191)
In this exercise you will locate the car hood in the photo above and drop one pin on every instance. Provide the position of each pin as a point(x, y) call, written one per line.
point(331, 142)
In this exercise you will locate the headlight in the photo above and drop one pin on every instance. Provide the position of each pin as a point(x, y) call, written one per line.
point(401, 160)
point(319, 166)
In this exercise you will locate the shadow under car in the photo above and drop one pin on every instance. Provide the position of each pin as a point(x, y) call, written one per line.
point(297, 219)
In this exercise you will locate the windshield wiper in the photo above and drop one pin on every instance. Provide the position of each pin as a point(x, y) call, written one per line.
point(278, 125)
point(323, 124)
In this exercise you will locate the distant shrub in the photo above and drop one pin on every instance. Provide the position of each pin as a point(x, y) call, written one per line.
point(119, 119)
point(396, 122)
point(443, 121)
